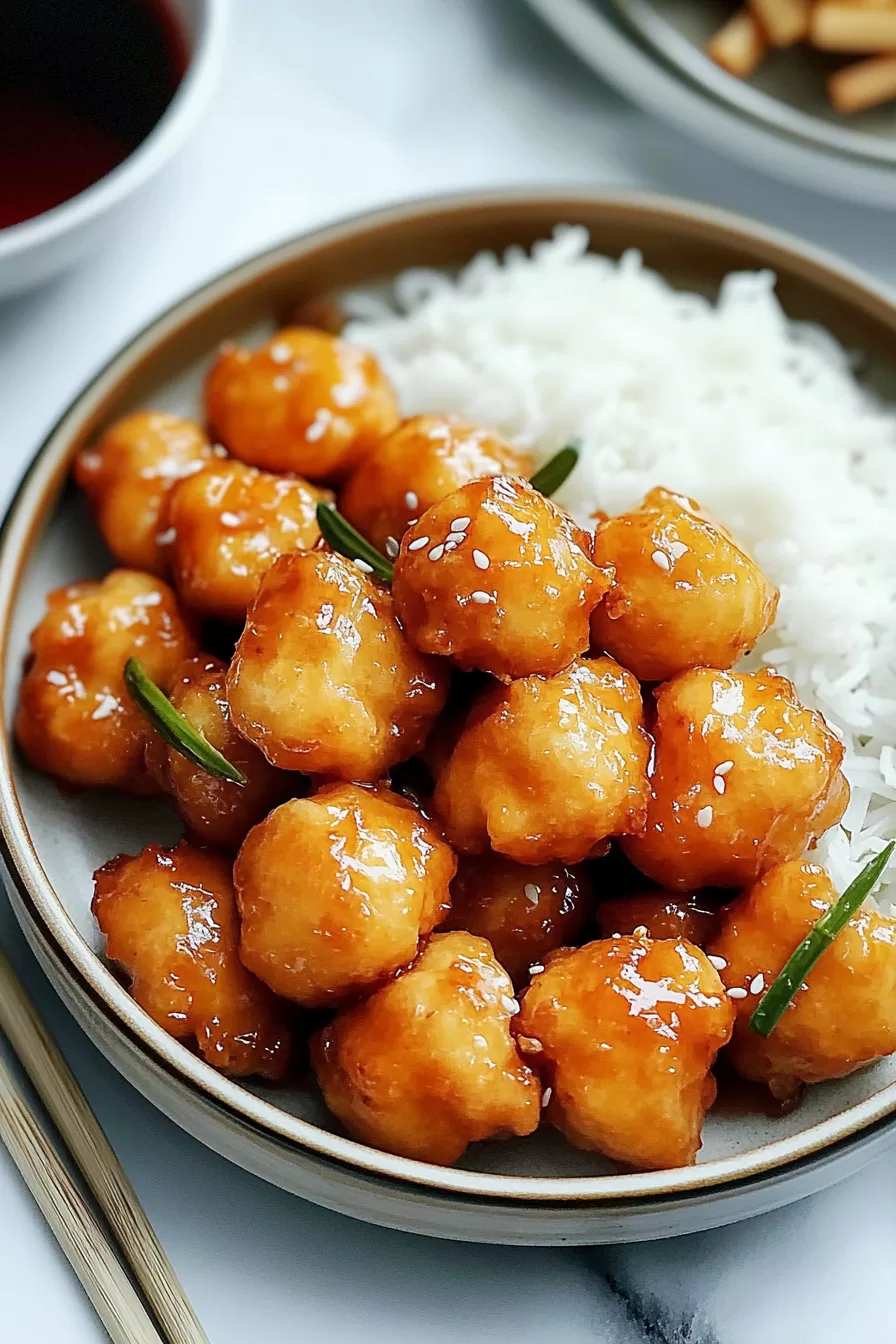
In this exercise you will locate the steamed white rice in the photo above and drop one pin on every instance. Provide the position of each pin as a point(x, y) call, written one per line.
point(758, 418)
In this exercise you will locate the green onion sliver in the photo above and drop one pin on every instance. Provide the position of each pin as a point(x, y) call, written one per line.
point(170, 724)
point(549, 478)
point(340, 536)
point(819, 938)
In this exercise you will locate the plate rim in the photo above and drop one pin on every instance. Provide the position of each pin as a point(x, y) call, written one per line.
point(32, 503)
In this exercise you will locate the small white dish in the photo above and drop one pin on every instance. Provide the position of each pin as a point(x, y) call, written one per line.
point(39, 248)
point(593, 29)
point(787, 93)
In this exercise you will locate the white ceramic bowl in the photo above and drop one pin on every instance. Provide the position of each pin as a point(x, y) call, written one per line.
point(39, 248)
point(536, 1190)
point(594, 30)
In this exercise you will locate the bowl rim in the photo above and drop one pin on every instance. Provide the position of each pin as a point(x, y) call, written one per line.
point(670, 43)
point(23, 524)
point(170, 131)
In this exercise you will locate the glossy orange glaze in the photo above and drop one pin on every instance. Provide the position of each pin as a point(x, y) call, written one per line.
point(421, 462)
point(170, 920)
point(546, 768)
point(525, 912)
point(664, 914)
point(844, 1016)
point(127, 476)
point(513, 591)
point(75, 719)
point(323, 679)
point(214, 811)
point(336, 890)
point(304, 401)
point(427, 1065)
point(229, 524)
point(629, 1030)
point(744, 777)
point(685, 594)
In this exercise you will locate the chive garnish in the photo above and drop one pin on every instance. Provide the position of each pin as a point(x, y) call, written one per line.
point(549, 478)
point(170, 724)
point(340, 536)
point(774, 1001)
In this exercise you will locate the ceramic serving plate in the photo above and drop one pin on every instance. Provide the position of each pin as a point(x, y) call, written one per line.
point(786, 93)
point(537, 1189)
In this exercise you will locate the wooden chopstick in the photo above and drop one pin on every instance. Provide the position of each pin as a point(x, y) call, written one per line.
point(71, 1219)
point(95, 1158)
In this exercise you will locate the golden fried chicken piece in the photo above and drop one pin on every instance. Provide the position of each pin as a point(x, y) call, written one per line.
point(664, 914)
point(427, 1064)
point(335, 892)
point(525, 912)
point(844, 1015)
point(497, 577)
point(323, 679)
point(548, 767)
point(75, 719)
point(127, 476)
point(421, 462)
point(170, 920)
point(229, 524)
point(305, 401)
point(744, 777)
point(629, 1030)
point(214, 811)
point(685, 594)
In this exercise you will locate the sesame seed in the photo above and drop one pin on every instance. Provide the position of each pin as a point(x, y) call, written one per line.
point(481, 560)
point(510, 1004)
point(460, 524)
point(724, 767)
point(529, 1045)
point(457, 537)
point(718, 783)
point(546, 1096)
point(280, 352)
point(363, 566)
point(280, 383)
point(437, 552)
point(481, 597)
point(640, 931)
point(531, 893)
point(165, 538)
point(411, 500)
point(418, 544)
point(662, 560)
point(737, 993)
point(392, 547)
point(704, 817)
point(536, 968)
point(229, 519)
point(757, 984)
point(452, 543)
point(719, 962)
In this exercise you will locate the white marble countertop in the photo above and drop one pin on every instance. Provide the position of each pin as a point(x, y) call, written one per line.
point(325, 109)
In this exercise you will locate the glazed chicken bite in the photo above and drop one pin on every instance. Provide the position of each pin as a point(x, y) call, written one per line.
point(304, 401)
point(335, 892)
point(548, 767)
point(684, 593)
point(415, 467)
point(497, 577)
point(170, 920)
point(663, 914)
point(75, 718)
point(525, 912)
point(744, 777)
point(323, 679)
point(127, 476)
point(427, 1064)
point(228, 524)
point(629, 1030)
point(843, 1016)
point(214, 811)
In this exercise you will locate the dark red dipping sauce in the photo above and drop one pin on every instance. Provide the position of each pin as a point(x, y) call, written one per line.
point(82, 83)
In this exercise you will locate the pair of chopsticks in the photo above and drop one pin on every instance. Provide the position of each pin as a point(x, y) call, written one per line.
point(163, 1314)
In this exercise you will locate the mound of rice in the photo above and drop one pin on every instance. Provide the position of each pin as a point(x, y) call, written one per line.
point(758, 418)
